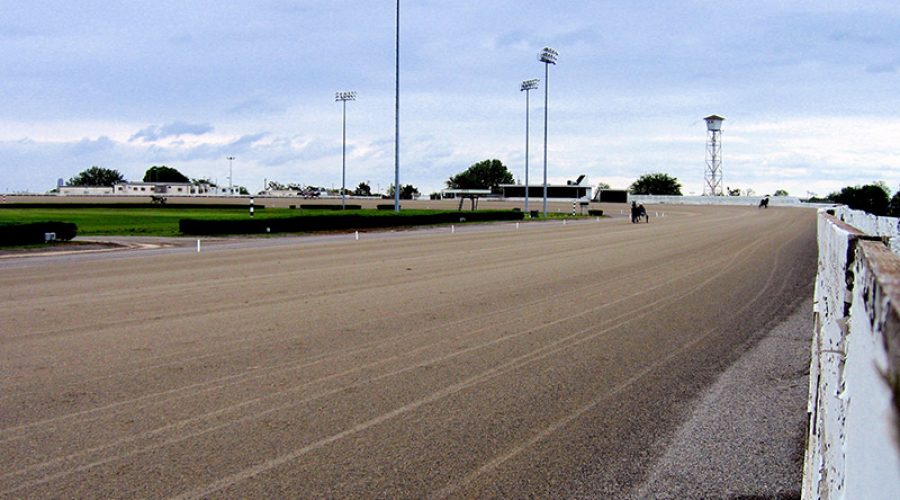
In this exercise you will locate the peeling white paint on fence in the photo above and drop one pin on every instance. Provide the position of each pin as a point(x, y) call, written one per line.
point(888, 227)
point(852, 448)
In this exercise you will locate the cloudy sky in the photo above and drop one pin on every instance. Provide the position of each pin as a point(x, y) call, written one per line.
point(810, 90)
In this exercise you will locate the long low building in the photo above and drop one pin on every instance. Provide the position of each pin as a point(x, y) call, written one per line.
point(142, 189)
point(579, 188)
point(85, 190)
point(556, 191)
point(166, 188)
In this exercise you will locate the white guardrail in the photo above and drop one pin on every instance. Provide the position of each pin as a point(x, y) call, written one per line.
point(651, 199)
point(853, 442)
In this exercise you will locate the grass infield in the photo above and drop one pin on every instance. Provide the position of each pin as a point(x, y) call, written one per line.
point(112, 221)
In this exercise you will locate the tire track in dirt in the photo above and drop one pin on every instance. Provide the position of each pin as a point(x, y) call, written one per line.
point(728, 262)
point(337, 390)
point(384, 368)
point(567, 342)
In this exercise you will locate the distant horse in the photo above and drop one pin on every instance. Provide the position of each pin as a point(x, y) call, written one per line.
point(764, 203)
point(638, 212)
point(642, 214)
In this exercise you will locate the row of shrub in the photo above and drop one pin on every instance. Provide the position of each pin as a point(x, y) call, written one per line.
point(35, 232)
point(332, 206)
point(341, 221)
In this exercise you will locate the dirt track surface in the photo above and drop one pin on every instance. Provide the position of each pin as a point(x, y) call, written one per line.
point(549, 360)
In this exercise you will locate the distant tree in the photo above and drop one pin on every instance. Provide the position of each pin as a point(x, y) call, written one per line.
point(749, 192)
point(602, 185)
point(363, 190)
point(407, 192)
point(96, 176)
point(656, 183)
point(732, 192)
point(487, 174)
point(883, 185)
point(780, 192)
point(895, 205)
point(203, 182)
point(871, 198)
point(203, 185)
point(164, 174)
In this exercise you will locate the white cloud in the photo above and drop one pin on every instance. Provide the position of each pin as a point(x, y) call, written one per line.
point(808, 87)
point(154, 133)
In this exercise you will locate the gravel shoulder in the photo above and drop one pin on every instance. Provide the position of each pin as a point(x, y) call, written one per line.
point(745, 437)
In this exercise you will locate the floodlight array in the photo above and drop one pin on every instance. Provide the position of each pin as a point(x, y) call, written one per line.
point(530, 84)
point(345, 96)
point(548, 55)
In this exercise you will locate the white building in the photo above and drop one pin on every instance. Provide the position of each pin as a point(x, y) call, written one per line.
point(160, 188)
point(140, 189)
point(85, 190)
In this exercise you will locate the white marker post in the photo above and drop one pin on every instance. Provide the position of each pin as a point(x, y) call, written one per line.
point(198, 246)
point(357, 236)
point(251, 207)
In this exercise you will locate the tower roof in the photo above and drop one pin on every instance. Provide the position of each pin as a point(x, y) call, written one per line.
point(714, 117)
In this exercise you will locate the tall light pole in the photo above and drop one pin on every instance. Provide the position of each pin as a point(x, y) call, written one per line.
point(344, 97)
point(547, 56)
point(230, 175)
point(397, 118)
point(527, 86)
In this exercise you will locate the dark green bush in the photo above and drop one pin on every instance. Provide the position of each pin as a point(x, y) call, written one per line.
point(343, 221)
point(598, 213)
point(385, 207)
point(336, 206)
point(33, 233)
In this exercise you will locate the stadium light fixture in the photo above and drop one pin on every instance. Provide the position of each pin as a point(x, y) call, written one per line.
point(343, 97)
point(547, 56)
point(526, 87)
point(230, 175)
point(397, 116)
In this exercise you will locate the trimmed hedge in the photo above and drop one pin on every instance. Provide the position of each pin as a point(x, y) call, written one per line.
point(33, 233)
point(386, 207)
point(336, 222)
point(595, 212)
point(330, 207)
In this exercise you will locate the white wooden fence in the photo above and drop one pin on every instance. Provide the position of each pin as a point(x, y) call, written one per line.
point(853, 447)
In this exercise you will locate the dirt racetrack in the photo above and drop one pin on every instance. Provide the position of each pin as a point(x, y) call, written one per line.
point(545, 360)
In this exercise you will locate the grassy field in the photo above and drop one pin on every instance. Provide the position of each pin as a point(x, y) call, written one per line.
point(160, 221)
point(130, 221)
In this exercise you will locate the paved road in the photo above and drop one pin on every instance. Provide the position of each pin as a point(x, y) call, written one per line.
point(549, 360)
